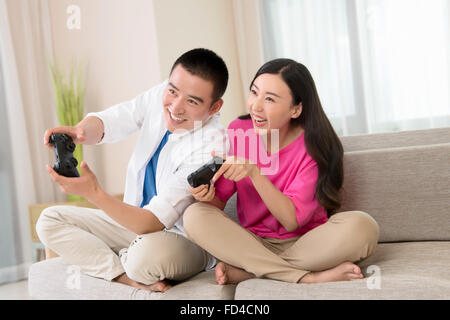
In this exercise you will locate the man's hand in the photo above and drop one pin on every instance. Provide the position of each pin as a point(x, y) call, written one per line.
point(138, 220)
point(203, 193)
point(85, 186)
point(76, 133)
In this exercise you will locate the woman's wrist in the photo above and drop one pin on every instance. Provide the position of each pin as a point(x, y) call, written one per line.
point(255, 172)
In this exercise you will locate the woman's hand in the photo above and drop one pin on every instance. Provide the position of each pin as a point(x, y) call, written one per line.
point(203, 193)
point(85, 186)
point(235, 169)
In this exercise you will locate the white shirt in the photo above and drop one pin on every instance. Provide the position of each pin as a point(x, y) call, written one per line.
point(184, 152)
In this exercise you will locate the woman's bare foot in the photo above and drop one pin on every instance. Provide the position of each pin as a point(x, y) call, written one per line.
point(160, 286)
point(227, 274)
point(344, 272)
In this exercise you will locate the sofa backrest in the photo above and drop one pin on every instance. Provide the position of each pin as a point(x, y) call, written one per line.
point(402, 179)
point(398, 139)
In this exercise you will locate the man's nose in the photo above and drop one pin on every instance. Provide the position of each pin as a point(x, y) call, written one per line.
point(177, 107)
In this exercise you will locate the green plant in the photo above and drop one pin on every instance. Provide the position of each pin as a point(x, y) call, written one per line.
point(69, 99)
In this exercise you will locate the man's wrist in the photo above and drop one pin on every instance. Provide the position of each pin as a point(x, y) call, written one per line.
point(93, 128)
point(97, 197)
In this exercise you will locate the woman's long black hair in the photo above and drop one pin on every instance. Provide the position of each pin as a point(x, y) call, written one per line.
point(322, 142)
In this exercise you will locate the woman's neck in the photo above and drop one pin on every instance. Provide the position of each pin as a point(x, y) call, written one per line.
point(285, 137)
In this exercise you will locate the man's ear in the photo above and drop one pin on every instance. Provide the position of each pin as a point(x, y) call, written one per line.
point(215, 107)
point(296, 110)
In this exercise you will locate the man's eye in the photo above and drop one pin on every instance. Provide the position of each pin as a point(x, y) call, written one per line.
point(171, 91)
point(191, 101)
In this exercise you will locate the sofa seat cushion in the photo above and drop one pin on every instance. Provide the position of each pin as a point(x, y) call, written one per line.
point(55, 279)
point(406, 270)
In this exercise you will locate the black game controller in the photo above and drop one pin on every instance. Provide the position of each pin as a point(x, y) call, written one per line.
point(66, 164)
point(204, 174)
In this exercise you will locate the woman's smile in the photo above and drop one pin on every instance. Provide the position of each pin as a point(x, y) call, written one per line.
point(259, 121)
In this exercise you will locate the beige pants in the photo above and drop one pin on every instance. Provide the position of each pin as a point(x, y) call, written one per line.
point(102, 248)
point(347, 236)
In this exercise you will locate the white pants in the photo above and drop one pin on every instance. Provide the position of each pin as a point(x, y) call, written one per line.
point(102, 248)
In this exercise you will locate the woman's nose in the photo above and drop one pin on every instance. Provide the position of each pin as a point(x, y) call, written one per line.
point(257, 105)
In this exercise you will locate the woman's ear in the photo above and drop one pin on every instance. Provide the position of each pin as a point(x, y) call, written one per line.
point(296, 110)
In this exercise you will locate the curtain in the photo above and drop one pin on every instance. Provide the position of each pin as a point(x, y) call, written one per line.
point(24, 99)
point(15, 241)
point(248, 39)
point(379, 65)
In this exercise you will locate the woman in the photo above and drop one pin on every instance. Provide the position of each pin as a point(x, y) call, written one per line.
point(289, 229)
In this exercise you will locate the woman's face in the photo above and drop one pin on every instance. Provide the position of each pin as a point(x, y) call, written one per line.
point(270, 104)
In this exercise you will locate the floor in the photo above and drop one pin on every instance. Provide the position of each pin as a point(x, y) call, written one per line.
point(15, 291)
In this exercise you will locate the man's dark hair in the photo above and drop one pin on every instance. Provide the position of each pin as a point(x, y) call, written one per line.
point(207, 65)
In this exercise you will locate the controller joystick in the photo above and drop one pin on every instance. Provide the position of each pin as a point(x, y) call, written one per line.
point(204, 174)
point(66, 164)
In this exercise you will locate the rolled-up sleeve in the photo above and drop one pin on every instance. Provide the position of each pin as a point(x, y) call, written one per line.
point(174, 195)
point(123, 119)
point(169, 204)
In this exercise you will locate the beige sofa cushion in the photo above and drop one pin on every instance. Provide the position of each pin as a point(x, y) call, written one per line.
point(406, 190)
point(53, 279)
point(409, 270)
point(395, 139)
point(402, 179)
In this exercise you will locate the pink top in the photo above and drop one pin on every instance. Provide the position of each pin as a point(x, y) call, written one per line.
point(291, 170)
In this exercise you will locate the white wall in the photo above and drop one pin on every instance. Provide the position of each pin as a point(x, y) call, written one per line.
point(183, 25)
point(118, 40)
point(131, 46)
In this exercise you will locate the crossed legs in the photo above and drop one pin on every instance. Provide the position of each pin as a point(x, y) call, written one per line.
point(326, 253)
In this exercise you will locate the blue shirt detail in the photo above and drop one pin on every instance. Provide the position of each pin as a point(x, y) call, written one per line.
point(150, 173)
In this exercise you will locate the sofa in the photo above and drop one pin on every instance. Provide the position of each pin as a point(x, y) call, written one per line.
point(402, 179)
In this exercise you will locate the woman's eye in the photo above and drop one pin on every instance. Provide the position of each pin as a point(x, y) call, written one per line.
point(270, 99)
point(253, 91)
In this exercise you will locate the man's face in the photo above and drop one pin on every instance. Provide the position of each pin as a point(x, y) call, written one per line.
point(187, 98)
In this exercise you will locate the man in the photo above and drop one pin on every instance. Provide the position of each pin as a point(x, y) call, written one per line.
point(141, 241)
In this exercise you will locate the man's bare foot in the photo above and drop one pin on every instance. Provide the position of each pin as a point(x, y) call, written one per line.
point(344, 272)
point(227, 274)
point(160, 286)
